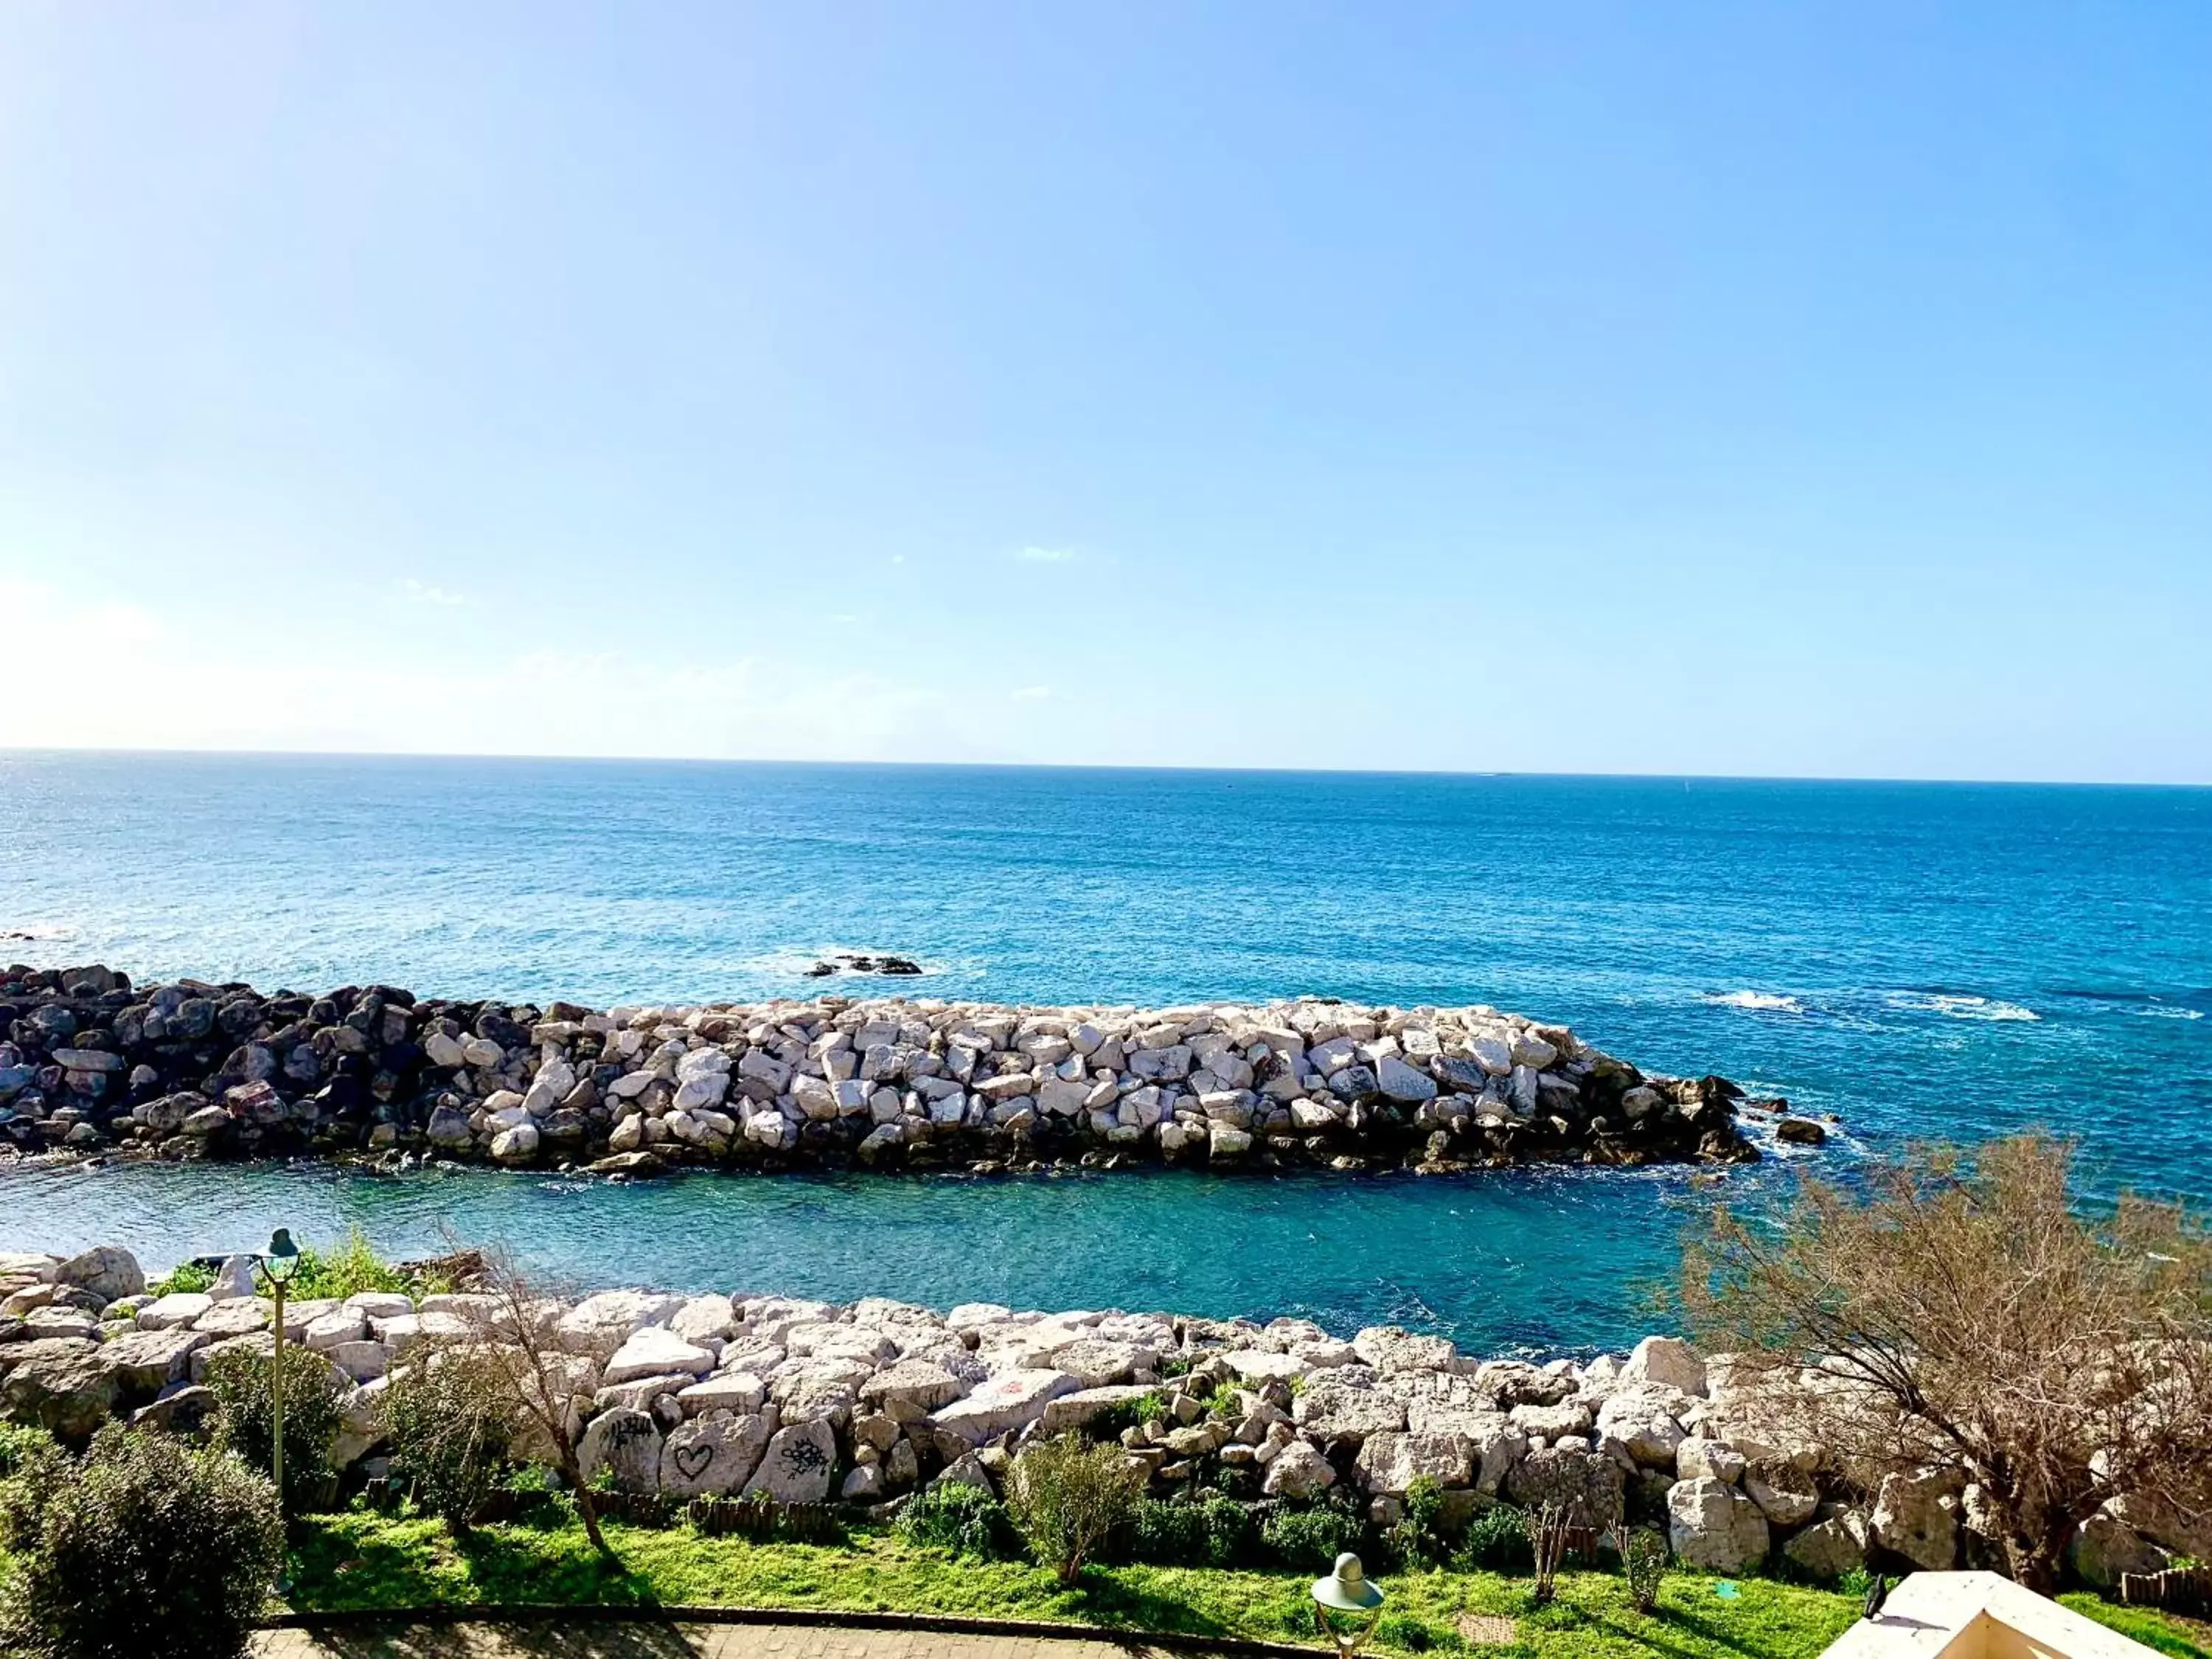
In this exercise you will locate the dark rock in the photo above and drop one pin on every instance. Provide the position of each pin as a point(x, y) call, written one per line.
point(188, 1411)
point(1355, 1082)
point(637, 1166)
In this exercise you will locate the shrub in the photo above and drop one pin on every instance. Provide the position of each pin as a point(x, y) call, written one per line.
point(151, 1548)
point(961, 1519)
point(185, 1276)
point(1415, 1539)
point(1966, 1310)
point(1164, 1533)
point(1067, 1497)
point(347, 1269)
point(1644, 1564)
point(22, 1443)
point(1231, 1536)
point(311, 1387)
point(1108, 1424)
point(1549, 1532)
point(32, 1464)
point(1213, 1529)
point(1498, 1542)
point(452, 1423)
point(1310, 1540)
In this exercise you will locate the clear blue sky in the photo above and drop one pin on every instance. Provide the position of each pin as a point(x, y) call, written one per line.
point(1816, 389)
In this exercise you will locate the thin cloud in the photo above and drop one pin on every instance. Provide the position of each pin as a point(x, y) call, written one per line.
point(425, 593)
point(1045, 555)
point(1033, 694)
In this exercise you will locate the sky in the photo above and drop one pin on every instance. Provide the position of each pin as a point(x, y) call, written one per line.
point(1805, 389)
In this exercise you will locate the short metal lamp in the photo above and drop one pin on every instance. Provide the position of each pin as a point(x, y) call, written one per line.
point(1346, 1605)
point(276, 1265)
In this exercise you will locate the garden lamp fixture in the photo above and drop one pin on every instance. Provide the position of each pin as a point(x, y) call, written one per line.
point(282, 1259)
point(276, 1265)
point(1347, 1606)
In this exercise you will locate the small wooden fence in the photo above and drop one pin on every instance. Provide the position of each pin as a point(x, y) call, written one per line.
point(2186, 1590)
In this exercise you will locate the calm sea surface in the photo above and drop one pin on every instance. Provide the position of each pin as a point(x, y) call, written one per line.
point(1946, 960)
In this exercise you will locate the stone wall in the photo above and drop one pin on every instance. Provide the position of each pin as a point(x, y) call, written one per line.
point(808, 1401)
point(91, 1062)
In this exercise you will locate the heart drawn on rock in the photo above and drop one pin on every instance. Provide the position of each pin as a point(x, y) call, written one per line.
point(691, 1461)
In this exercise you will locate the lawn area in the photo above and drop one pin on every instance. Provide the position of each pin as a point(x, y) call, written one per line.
point(370, 1561)
point(2185, 1638)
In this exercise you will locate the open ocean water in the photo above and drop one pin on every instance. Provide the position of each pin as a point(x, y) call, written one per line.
point(1944, 960)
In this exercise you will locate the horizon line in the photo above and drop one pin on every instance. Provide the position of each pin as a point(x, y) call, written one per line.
point(121, 751)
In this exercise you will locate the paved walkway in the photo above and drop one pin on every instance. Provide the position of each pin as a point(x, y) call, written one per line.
point(644, 1641)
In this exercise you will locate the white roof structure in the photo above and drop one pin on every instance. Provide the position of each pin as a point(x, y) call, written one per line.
point(1977, 1615)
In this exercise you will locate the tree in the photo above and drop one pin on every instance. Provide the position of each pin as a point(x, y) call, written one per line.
point(1969, 1313)
point(451, 1416)
point(313, 1388)
point(517, 1329)
point(1067, 1495)
point(149, 1548)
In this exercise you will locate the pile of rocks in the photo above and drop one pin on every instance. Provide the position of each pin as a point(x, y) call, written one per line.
point(189, 1070)
point(807, 1401)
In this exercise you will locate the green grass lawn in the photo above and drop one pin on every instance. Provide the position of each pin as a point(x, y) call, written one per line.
point(370, 1561)
point(363, 1561)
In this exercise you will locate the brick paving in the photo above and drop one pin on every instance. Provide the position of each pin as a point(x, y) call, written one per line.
point(549, 1640)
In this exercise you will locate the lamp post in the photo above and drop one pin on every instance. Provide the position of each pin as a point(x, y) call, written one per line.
point(277, 1267)
point(1357, 1604)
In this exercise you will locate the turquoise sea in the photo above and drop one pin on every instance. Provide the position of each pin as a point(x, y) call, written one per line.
point(1922, 959)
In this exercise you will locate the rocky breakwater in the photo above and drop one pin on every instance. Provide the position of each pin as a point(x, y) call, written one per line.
point(187, 1070)
point(811, 1402)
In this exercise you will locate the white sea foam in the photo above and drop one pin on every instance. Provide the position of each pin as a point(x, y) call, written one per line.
point(39, 933)
point(2168, 1010)
point(1760, 1002)
point(1957, 1006)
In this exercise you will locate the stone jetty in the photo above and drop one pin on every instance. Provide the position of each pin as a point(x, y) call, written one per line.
point(811, 1402)
point(92, 1063)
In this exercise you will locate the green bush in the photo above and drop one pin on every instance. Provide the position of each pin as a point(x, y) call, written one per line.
point(1165, 1533)
point(452, 1428)
point(187, 1276)
point(1067, 1498)
point(22, 1443)
point(1211, 1528)
point(1310, 1540)
point(1108, 1424)
point(347, 1269)
point(311, 1389)
point(1415, 1541)
point(151, 1548)
point(1644, 1564)
point(1498, 1542)
point(960, 1519)
point(32, 1464)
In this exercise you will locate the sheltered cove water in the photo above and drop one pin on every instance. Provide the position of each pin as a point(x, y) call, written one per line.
point(1550, 1261)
